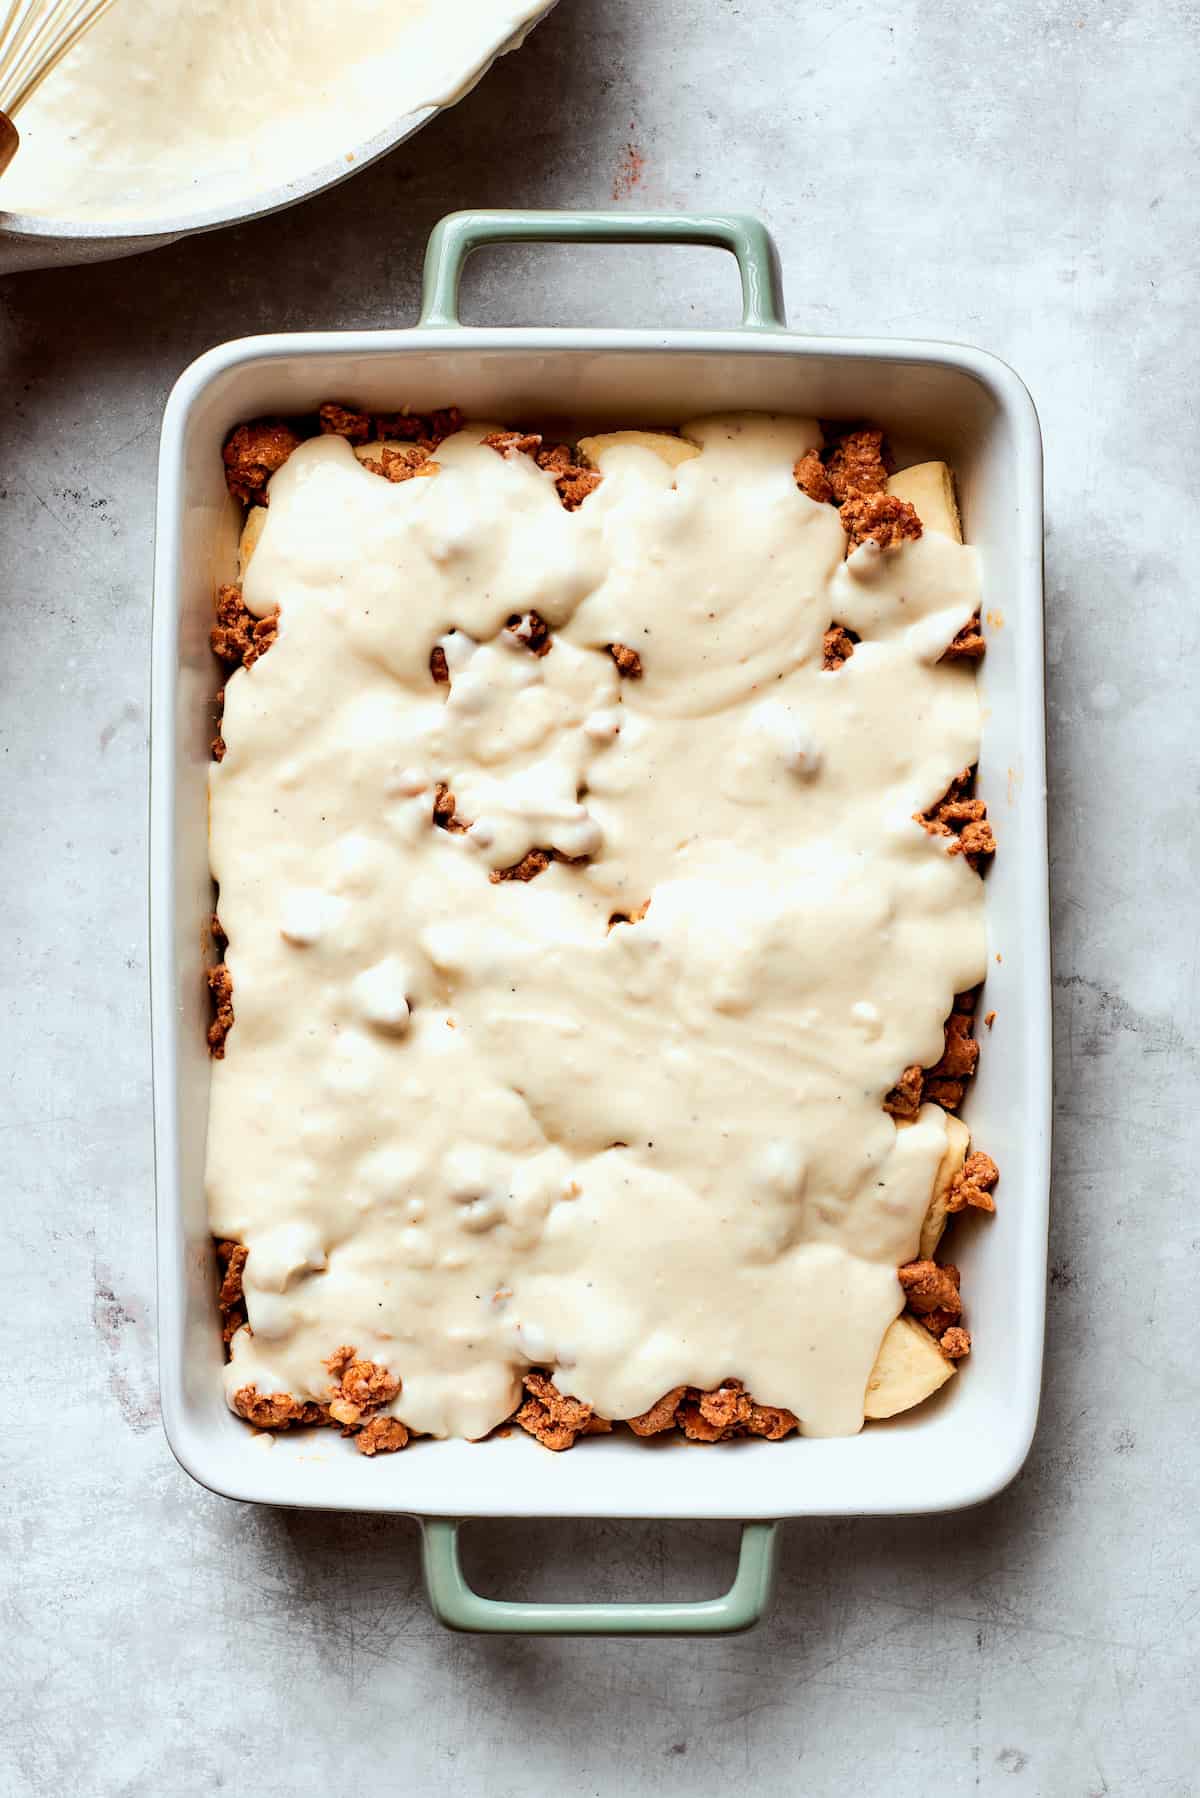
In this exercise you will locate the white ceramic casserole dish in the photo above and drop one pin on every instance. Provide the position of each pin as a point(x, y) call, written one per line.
point(934, 400)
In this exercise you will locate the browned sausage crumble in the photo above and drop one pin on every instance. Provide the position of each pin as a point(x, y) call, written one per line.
point(512, 443)
point(425, 429)
point(812, 479)
point(629, 662)
point(838, 647)
point(356, 1392)
point(904, 1100)
point(531, 629)
point(945, 1081)
point(253, 453)
point(238, 638)
point(717, 1416)
point(231, 1300)
point(533, 863)
point(220, 985)
point(382, 1436)
point(277, 1410)
point(931, 1291)
point(879, 518)
point(573, 482)
point(340, 421)
point(852, 474)
point(359, 1386)
point(552, 1417)
point(968, 645)
point(974, 1184)
point(428, 429)
point(444, 814)
point(960, 815)
point(630, 917)
point(402, 464)
point(855, 465)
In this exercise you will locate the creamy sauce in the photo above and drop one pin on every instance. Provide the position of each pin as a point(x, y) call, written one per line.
point(168, 108)
point(467, 1128)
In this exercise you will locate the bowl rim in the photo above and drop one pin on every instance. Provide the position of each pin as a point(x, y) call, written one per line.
point(42, 228)
point(257, 205)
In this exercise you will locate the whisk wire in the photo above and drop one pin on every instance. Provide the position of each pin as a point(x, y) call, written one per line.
point(34, 38)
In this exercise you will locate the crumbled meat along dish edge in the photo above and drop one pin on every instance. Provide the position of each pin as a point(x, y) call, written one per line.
point(851, 472)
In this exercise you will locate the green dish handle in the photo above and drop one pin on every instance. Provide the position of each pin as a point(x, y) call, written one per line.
point(459, 1607)
point(747, 238)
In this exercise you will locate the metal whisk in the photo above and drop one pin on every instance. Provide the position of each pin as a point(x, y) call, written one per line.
point(35, 35)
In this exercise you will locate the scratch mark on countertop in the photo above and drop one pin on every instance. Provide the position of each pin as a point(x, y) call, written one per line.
point(121, 1327)
point(1107, 1014)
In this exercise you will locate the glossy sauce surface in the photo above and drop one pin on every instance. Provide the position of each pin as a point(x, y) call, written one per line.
point(469, 1127)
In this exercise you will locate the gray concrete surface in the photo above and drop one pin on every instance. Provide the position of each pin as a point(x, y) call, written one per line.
point(1022, 176)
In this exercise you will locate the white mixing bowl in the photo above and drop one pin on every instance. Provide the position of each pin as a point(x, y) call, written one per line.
point(30, 241)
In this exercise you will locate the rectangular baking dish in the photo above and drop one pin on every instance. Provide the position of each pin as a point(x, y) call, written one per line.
point(934, 400)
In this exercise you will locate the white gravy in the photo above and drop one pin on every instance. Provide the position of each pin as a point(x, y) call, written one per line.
point(468, 1128)
point(173, 106)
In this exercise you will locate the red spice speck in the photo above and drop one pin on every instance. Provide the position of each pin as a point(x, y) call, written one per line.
point(630, 170)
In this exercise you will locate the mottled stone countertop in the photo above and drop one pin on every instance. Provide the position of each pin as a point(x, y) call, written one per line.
point(1019, 177)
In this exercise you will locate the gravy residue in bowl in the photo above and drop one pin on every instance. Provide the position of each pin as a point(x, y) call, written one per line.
point(168, 109)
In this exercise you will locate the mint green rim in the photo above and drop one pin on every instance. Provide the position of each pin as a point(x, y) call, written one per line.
point(460, 1607)
point(459, 234)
